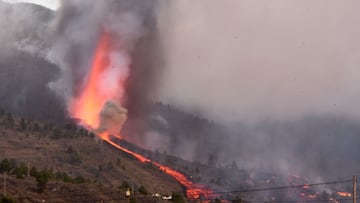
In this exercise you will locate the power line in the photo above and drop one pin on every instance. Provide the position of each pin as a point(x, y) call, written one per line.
point(297, 201)
point(281, 187)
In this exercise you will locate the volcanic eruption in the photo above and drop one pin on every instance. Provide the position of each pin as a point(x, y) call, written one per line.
point(98, 76)
point(99, 110)
point(105, 79)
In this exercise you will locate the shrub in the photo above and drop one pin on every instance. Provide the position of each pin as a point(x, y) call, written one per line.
point(177, 198)
point(132, 200)
point(79, 180)
point(64, 177)
point(143, 190)
point(34, 172)
point(5, 165)
point(42, 179)
point(20, 171)
point(7, 199)
point(125, 185)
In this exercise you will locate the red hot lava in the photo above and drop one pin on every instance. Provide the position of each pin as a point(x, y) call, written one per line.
point(194, 191)
point(88, 105)
point(344, 194)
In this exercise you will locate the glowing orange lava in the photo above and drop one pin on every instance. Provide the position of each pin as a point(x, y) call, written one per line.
point(95, 91)
point(194, 191)
point(87, 107)
point(344, 194)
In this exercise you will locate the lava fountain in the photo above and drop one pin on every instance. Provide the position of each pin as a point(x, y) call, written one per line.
point(105, 82)
point(102, 90)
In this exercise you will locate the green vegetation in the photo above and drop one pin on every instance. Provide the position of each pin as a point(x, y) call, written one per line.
point(7, 165)
point(142, 190)
point(20, 171)
point(62, 176)
point(79, 180)
point(177, 198)
point(7, 199)
point(132, 200)
point(125, 185)
point(28, 131)
point(42, 179)
point(42, 129)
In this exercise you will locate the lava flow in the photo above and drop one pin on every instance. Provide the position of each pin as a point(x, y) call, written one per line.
point(344, 194)
point(194, 191)
point(89, 105)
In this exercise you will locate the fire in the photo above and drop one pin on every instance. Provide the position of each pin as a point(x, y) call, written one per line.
point(344, 194)
point(306, 187)
point(89, 104)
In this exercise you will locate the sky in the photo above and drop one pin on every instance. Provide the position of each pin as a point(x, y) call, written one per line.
point(52, 4)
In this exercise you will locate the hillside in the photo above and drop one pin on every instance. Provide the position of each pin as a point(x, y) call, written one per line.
point(25, 73)
point(99, 169)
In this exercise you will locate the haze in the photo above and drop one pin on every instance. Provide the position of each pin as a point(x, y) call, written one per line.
point(52, 4)
point(247, 60)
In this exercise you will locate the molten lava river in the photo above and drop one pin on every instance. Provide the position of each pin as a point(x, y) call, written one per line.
point(89, 103)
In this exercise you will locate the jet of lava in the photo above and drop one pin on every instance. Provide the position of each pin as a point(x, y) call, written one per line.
point(105, 82)
point(98, 109)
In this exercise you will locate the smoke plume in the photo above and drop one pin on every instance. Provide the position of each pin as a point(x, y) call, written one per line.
point(79, 27)
point(112, 118)
point(253, 60)
point(25, 73)
point(281, 75)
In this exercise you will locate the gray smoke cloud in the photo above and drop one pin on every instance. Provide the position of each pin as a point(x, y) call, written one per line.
point(25, 73)
point(78, 27)
point(112, 118)
point(255, 60)
point(27, 29)
point(281, 75)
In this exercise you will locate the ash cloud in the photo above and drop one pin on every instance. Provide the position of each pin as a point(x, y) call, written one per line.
point(281, 76)
point(132, 24)
point(112, 118)
point(254, 60)
point(27, 28)
point(25, 73)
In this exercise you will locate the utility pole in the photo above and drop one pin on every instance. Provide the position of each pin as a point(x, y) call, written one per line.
point(354, 188)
